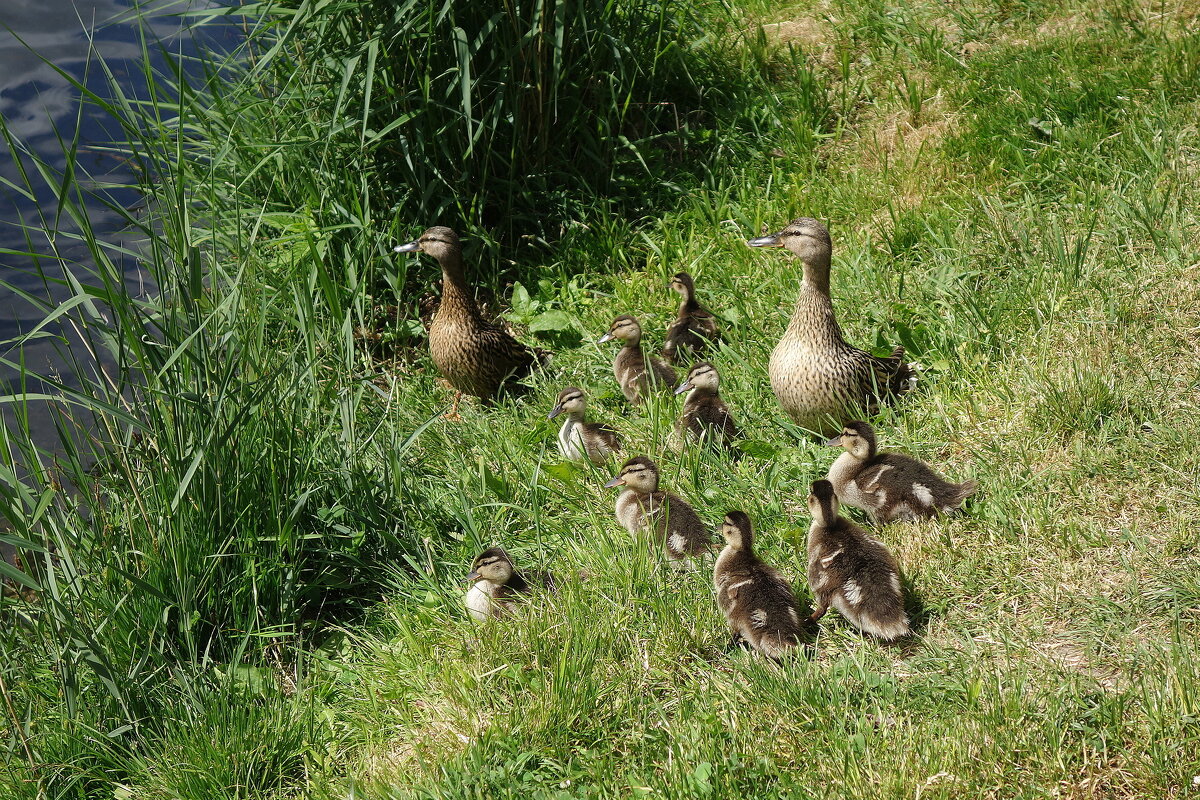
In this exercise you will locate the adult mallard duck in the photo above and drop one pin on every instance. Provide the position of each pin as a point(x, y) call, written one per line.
point(820, 380)
point(475, 356)
point(694, 329)
point(889, 486)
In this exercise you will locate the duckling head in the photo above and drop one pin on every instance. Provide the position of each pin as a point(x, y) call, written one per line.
point(682, 284)
point(737, 530)
point(858, 438)
point(625, 328)
point(805, 237)
point(702, 376)
point(492, 565)
point(823, 503)
point(570, 401)
point(439, 242)
point(640, 474)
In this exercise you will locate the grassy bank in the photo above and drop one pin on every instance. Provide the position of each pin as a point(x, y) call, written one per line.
point(260, 594)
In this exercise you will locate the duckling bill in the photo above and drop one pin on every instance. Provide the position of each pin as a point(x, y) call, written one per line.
point(889, 486)
point(851, 571)
point(757, 602)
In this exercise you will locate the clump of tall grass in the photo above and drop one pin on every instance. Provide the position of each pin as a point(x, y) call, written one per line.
point(489, 112)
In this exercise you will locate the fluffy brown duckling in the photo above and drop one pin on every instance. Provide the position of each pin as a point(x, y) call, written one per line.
point(889, 486)
point(637, 374)
point(756, 601)
point(641, 506)
point(497, 587)
point(819, 379)
point(851, 571)
point(578, 439)
point(694, 329)
point(474, 355)
point(705, 415)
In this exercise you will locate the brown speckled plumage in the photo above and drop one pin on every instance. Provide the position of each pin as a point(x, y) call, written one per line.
point(694, 329)
point(705, 415)
point(671, 520)
point(889, 486)
point(637, 374)
point(819, 379)
point(475, 356)
point(757, 602)
point(851, 571)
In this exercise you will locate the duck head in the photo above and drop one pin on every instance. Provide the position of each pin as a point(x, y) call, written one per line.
point(570, 401)
point(823, 503)
point(702, 376)
point(625, 328)
point(805, 237)
point(640, 474)
point(492, 565)
point(737, 530)
point(858, 438)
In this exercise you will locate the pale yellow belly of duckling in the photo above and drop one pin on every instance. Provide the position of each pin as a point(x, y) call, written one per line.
point(819, 390)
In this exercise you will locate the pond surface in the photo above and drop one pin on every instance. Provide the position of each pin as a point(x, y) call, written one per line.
point(38, 38)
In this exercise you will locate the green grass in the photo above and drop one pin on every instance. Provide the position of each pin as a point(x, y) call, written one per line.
point(261, 595)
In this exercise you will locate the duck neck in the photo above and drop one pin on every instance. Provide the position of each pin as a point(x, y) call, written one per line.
point(814, 307)
point(456, 294)
point(689, 300)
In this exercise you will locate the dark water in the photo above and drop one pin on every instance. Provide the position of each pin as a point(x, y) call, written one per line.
point(38, 106)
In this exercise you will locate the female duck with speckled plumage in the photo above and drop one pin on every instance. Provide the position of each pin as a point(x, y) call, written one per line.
point(819, 379)
point(475, 356)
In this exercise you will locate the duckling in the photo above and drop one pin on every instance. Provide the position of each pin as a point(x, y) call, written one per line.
point(475, 356)
point(756, 601)
point(818, 378)
point(889, 486)
point(694, 329)
point(497, 587)
point(642, 507)
point(577, 439)
point(705, 414)
point(851, 571)
point(637, 374)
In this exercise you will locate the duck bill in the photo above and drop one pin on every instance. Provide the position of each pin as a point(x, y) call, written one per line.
point(605, 338)
point(617, 481)
point(765, 241)
point(411, 247)
point(683, 387)
point(474, 576)
point(554, 412)
point(836, 441)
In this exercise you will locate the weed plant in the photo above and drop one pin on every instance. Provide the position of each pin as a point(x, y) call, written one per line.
point(256, 589)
